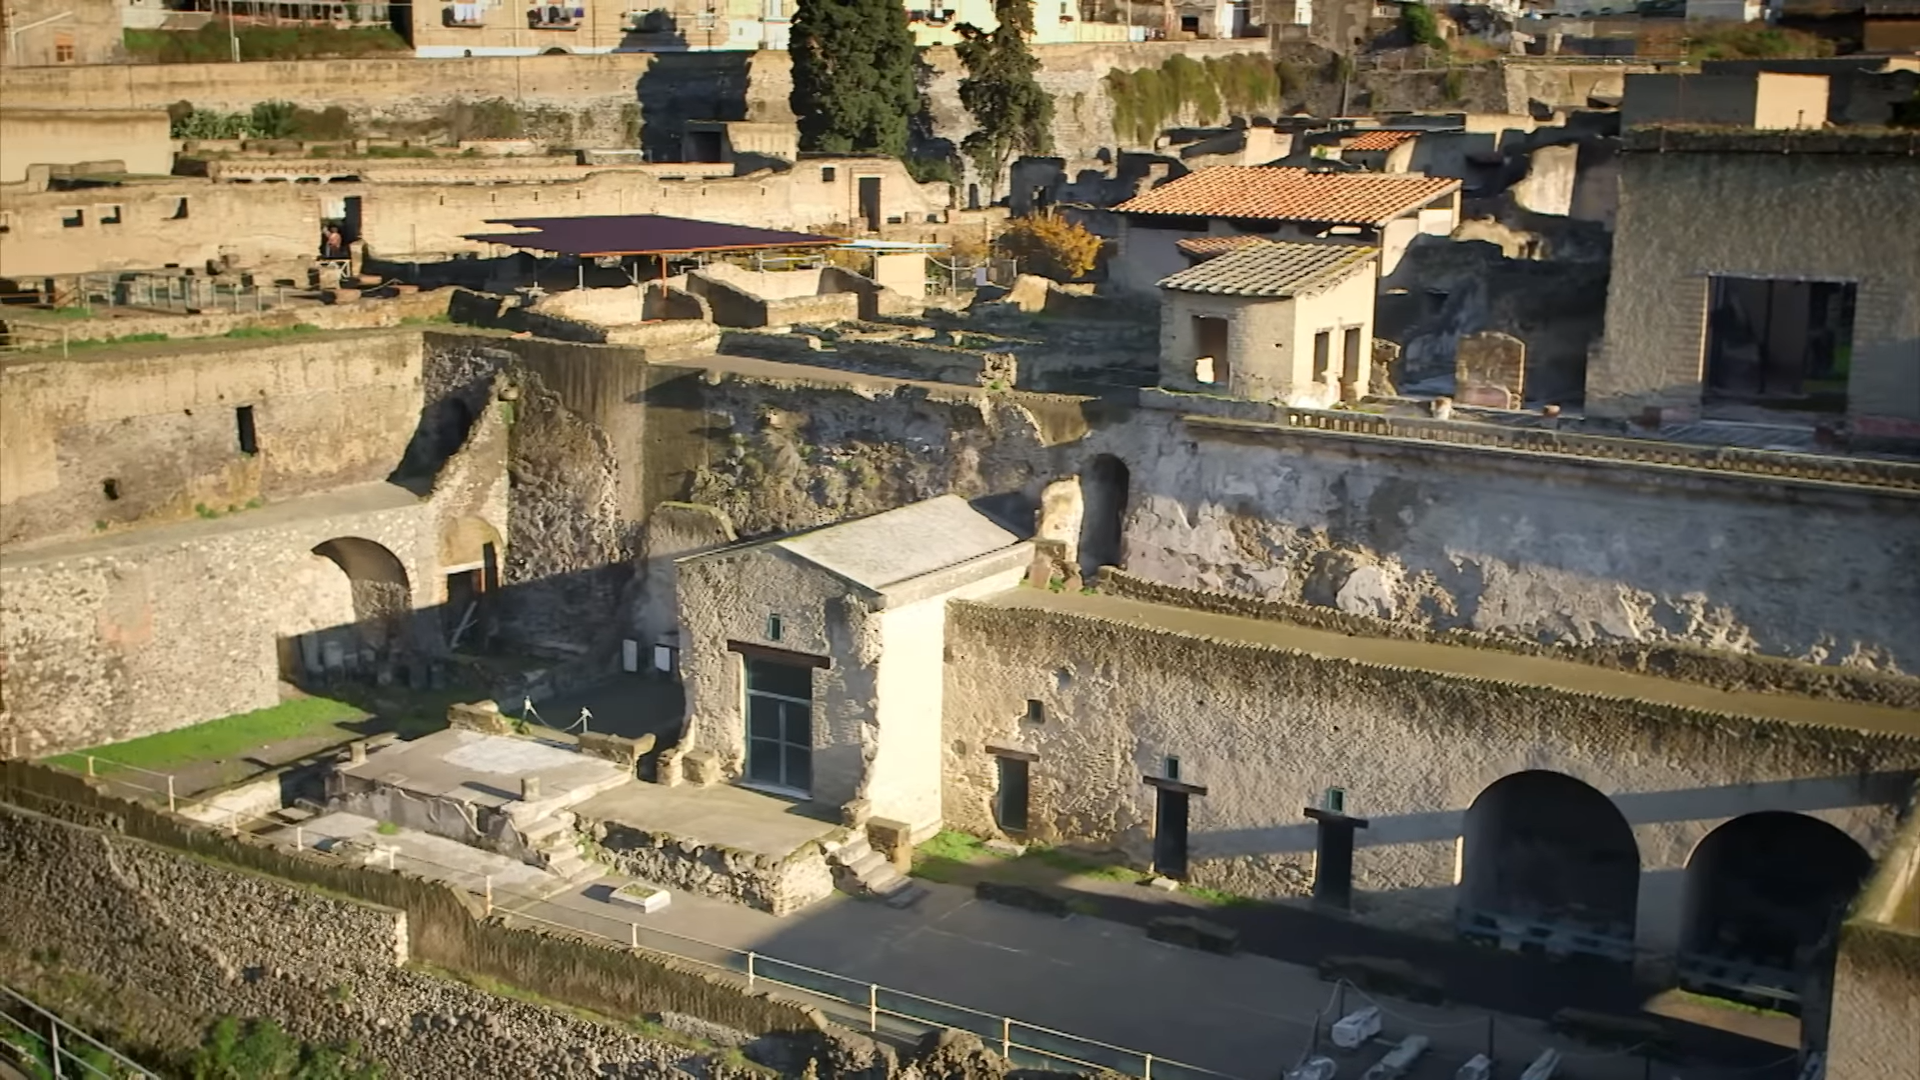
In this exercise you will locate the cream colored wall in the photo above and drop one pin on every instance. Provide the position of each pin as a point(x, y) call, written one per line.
point(1261, 363)
point(253, 224)
point(1783, 102)
point(1347, 304)
point(903, 776)
point(140, 139)
point(406, 218)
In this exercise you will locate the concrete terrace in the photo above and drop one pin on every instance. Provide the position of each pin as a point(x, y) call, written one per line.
point(1463, 662)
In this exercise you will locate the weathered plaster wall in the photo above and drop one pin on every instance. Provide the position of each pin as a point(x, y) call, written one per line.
point(162, 625)
point(1558, 550)
point(1265, 729)
point(1546, 549)
point(159, 422)
point(1688, 214)
point(727, 596)
point(140, 140)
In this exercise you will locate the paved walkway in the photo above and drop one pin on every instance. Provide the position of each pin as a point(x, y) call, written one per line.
point(1246, 1016)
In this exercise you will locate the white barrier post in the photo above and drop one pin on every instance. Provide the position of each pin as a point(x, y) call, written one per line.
point(873, 1007)
point(749, 971)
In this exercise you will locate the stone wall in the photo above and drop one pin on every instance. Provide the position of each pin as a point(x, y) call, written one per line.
point(163, 624)
point(148, 433)
point(330, 966)
point(143, 226)
point(1264, 727)
point(1687, 213)
point(1876, 977)
point(140, 140)
point(778, 886)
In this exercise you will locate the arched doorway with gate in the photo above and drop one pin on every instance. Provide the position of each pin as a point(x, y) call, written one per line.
point(1549, 864)
point(1764, 895)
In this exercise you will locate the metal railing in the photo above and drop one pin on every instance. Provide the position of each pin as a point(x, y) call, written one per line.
point(880, 1010)
point(862, 1003)
point(63, 1051)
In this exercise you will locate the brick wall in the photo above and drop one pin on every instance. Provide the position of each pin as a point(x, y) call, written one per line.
point(1691, 213)
point(1264, 727)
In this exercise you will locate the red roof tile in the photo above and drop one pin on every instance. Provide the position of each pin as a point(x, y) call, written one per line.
point(1266, 193)
point(1379, 140)
point(1203, 246)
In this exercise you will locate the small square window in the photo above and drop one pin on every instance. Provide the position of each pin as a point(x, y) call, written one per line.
point(828, 174)
point(1336, 800)
point(1036, 711)
point(774, 627)
point(180, 211)
point(73, 218)
point(109, 215)
point(63, 50)
point(1173, 767)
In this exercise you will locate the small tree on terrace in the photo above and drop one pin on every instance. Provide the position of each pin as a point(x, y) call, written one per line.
point(1051, 246)
point(1014, 115)
point(853, 75)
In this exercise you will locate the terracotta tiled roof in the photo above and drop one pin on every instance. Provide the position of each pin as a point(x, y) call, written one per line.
point(1379, 140)
point(1208, 246)
point(1275, 268)
point(1267, 193)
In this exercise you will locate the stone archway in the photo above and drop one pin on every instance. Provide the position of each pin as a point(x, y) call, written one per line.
point(1549, 860)
point(1764, 894)
point(382, 597)
point(1104, 486)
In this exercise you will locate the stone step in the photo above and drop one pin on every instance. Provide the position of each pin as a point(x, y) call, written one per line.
point(539, 832)
point(907, 897)
point(852, 851)
point(883, 881)
point(870, 864)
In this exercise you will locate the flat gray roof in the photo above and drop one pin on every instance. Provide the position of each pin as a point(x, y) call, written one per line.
point(898, 545)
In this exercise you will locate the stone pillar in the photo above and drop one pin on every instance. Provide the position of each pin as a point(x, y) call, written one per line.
point(529, 788)
point(357, 752)
point(893, 839)
point(1333, 862)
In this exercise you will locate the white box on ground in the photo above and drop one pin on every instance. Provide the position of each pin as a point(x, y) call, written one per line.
point(1314, 1068)
point(1478, 1067)
point(645, 897)
point(1399, 1060)
point(1354, 1029)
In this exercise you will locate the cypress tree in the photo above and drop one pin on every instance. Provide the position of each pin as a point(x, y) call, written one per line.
point(1015, 116)
point(853, 75)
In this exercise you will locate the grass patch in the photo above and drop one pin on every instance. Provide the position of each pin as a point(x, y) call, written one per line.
point(1216, 897)
point(221, 738)
point(1710, 1002)
point(953, 846)
point(442, 319)
point(271, 331)
point(387, 828)
point(1081, 864)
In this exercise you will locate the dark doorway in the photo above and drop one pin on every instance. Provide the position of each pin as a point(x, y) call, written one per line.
point(1550, 859)
point(1170, 833)
point(1322, 354)
point(780, 725)
point(1011, 799)
point(350, 221)
point(870, 202)
point(1103, 513)
point(1764, 896)
point(1778, 340)
point(1350, 356)
point(1211, 364)
point(462, 612)
point(243, 428)
point(705, 146)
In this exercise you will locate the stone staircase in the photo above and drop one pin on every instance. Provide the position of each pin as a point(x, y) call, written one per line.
point(553, 838)
point(862, 871)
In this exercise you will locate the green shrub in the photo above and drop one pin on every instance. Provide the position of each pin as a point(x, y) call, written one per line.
point(1421, 26)
point(213, 44)
point(260, 1050)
